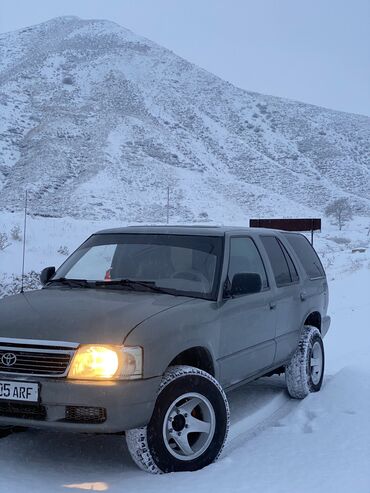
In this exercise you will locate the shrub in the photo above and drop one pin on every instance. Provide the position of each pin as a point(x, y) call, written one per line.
point(63, 250)
point(4, 243)
point(67, 80)
point(12, 284)
point(340, 240)
point(16, 233)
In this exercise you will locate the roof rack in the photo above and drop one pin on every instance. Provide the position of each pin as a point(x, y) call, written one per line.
point(304, 224)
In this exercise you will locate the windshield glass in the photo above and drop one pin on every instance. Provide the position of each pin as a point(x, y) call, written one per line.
point(187, 265)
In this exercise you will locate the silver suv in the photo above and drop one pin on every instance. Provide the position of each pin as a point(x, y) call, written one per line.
point(143, 329)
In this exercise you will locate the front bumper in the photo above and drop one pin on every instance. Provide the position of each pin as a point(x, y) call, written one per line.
point(127, 404)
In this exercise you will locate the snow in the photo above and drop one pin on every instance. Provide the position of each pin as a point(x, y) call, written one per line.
point(276, 444)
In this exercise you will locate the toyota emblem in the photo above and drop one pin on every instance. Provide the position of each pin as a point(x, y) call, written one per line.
point(8, 359)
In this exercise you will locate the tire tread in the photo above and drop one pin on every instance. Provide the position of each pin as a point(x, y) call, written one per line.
point(136, 439)
point(296, 371)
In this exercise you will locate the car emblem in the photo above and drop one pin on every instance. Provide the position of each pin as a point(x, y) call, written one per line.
point(8, 359)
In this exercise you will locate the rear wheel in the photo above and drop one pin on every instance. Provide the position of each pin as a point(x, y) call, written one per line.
point(189, 425)
point(305, 371)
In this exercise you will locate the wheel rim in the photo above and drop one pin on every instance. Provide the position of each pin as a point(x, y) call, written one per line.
point(189, 426)
point(316, 363)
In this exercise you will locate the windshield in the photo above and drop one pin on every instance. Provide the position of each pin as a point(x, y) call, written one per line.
point(187, 265)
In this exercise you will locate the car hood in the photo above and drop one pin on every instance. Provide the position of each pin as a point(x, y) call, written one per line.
point(80, 315)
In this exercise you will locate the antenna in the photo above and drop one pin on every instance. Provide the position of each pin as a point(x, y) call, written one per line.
point(24, 241)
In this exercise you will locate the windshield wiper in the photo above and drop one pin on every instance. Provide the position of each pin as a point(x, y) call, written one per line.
point(72, 283)
point(131, 283)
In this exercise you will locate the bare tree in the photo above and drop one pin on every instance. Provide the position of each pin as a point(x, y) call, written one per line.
point(340, 210)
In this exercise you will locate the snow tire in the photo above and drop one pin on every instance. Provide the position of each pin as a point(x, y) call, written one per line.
point(298, 373)
point(147, 445)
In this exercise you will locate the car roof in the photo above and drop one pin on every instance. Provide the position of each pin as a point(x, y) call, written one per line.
point(194, 230)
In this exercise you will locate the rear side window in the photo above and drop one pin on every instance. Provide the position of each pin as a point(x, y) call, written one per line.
point(306, 255)
point(281, 263)
point(292, 268)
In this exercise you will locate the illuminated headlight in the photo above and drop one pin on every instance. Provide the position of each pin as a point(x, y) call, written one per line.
point(95, 362)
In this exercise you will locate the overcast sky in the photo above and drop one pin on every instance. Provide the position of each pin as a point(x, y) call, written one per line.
point(317, 51)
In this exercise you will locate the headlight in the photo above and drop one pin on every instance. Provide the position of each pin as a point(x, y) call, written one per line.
point(93, 362)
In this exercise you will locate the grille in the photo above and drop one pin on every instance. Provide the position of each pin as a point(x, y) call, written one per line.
point(23, 411)
point(34, 361)
point(79, 414)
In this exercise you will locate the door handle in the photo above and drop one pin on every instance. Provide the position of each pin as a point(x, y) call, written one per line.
point(272, 305)
point(303, 295)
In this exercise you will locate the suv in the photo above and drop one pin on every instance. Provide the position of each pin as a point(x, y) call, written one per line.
point(143, 329)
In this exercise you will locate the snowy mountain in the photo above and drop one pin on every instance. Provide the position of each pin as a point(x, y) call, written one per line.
point(97, 122)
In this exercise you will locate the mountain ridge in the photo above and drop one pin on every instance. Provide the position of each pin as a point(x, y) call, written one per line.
point(98, 122)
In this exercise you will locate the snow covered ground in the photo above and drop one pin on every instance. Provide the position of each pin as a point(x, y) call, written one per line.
point(276, 444)
point(46, 237)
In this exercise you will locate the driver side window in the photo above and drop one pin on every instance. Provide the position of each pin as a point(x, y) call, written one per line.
point(245, 258)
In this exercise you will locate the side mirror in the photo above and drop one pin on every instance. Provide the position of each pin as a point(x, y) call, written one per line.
point(246, 283)
point(46, 275)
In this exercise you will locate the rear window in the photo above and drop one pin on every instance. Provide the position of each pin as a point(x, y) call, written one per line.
point(306, 255)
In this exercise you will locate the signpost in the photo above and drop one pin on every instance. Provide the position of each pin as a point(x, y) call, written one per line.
point(309, 224)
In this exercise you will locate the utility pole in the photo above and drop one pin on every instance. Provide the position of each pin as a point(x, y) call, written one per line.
point(168, 205)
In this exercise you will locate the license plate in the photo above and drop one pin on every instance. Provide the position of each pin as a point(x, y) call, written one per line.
point(19, 391)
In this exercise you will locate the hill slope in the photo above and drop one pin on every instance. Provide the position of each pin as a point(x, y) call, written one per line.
point(97, 122)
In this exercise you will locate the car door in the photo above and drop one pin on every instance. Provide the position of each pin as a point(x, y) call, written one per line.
point(247, 322)
point(287, 297)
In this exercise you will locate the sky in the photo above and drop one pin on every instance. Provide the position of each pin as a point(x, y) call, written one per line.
point(316, 51)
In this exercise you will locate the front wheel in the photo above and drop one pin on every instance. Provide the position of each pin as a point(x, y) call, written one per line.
point(189, 425)
point(305, 371)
